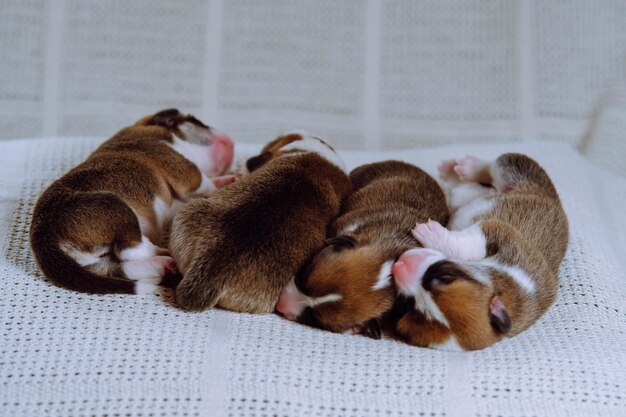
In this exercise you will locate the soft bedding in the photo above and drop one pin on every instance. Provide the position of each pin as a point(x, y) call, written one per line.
point(71, 354)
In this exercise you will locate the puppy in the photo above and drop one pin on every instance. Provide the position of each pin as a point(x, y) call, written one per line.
point(239, 247)
point(347, 286)
point(96, 229)
point(496, 272)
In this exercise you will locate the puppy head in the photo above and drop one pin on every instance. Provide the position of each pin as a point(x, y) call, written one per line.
point(208, 148)
point(456, 305)
point(346, 288)
point(294, 144)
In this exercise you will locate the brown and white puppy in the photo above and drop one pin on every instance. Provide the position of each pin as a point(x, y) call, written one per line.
point(496, 271)
point(96, 229)
point(347, 287)
point(238, 248)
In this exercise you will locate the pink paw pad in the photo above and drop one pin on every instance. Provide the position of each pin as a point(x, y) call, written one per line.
point(223, 181)
point(470, 169)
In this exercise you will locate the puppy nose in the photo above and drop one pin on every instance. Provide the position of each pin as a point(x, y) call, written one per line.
point(288, 304)
point(222, 139)
point(222, 152)
point(408, 270)
point(403, 274)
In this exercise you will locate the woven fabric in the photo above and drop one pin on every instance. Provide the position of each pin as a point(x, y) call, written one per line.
point(69, 354)
point(372, 74)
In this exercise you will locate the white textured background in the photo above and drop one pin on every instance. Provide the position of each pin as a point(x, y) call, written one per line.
point(364, 73)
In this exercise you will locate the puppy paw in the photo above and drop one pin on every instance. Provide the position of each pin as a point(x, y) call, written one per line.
point(431, 234)
point(224, 180)
point(471, 169)
point(149, 269)
point(446, 170)
point(147, 286)
point(164, 265)
point(162, 251)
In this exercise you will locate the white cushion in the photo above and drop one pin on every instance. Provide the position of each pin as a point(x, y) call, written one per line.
point(69, 354)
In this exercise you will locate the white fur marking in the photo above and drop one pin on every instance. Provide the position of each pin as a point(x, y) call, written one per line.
point(147, 286)
point(83, 258)
point(351, 228)
point(315, 301)
point(140, 270)
point(144, 250)
point(450, 345)
point(425, 303)
point(103, 267)
point(518, 275)
point(161, 212)
point(467, 244)
point(312, 144)
point(478, 273)
point(205, 189)
point(198, 154)
point(384, 276)
point(462, 194)
point(465, 216)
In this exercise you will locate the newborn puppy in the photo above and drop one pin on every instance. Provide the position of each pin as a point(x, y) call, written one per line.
point(239, 247)
point(496, 272)
point(96, 229)
point(347, 286)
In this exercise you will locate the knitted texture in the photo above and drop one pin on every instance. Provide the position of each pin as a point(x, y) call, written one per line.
point(368, 73)
point(69, 354)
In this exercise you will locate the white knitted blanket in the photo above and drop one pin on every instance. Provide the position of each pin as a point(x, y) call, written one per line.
point(69, 354)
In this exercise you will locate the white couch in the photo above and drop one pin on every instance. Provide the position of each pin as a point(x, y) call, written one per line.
point(71, 354)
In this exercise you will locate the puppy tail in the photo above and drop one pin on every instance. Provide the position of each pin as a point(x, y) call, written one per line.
point(58, 266)
point(202, 285)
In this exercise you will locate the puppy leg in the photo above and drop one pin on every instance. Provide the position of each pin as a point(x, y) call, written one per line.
point(462, 194)
point(466, 244)
point(155, 267)
point(146, 264)
point(509, 171)
point(141, 251)
point(472, 169)
point(202, 285)
point(459, 193)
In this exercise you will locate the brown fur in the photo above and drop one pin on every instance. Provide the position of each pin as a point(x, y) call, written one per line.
point(388, 199)
point(96, 204)
point(525, 228)
point(239, 247)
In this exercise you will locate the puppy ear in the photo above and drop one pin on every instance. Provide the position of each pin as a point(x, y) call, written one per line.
point(498, 316)
point(257, 161)
point(341, 242)
point(167, 118)
point(373, 329)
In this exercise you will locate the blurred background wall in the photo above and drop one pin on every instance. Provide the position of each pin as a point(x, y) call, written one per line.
point(363, 73)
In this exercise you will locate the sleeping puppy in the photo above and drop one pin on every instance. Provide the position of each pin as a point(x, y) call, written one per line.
point(239, 247)
point(496, 271)
point(347, 286)
point(96, 229)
